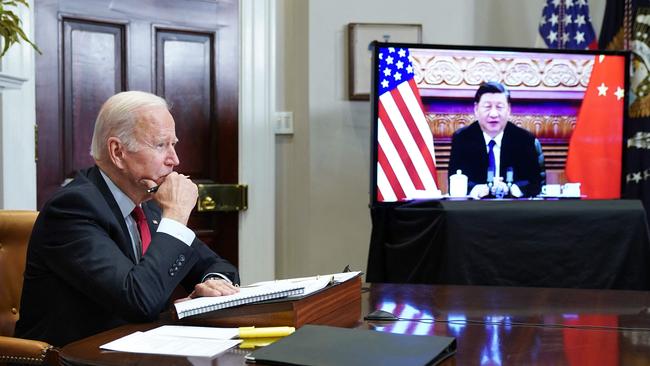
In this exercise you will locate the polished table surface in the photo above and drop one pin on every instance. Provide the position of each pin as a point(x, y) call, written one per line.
point(492, 325)
point(598, 244)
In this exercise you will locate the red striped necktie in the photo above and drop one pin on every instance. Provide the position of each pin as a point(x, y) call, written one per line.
point(143, 227)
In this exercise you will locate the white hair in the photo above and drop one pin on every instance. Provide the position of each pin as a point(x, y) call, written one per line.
point(117, 118)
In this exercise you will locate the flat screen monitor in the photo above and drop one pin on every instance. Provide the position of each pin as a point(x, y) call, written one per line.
point(572, 105)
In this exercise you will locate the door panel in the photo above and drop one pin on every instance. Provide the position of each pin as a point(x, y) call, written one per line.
point(93, 56)
point(185, 51)
point(184, 76)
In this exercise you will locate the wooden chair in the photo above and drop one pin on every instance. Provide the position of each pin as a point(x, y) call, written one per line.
point(15, 230)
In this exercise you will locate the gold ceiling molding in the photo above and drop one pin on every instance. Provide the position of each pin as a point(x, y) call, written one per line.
point(539, 72)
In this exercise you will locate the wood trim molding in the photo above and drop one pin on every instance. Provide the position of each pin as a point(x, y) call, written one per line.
point(8, 82)
point(257, 140)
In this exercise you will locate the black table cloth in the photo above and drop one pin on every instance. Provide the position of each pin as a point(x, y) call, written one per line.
point(554, 243)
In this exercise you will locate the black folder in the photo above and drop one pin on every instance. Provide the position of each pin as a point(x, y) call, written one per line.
point(317, 345)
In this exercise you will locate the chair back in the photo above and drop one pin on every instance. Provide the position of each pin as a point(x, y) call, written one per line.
point(540, 160)
point(15, 231)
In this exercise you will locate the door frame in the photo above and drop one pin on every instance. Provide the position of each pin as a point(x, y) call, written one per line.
point(256, 138)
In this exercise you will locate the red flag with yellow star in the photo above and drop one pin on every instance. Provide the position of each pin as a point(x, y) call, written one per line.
point(595, 149)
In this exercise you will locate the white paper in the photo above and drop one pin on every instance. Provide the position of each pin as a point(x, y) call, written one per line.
point(313, 283)
point(345, 276)
point(141, 342)
point(195, 332)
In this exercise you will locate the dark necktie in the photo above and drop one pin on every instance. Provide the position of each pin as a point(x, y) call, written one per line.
point(143, 227)
point(492, 165)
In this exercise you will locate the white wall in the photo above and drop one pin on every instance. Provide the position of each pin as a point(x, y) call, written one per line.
point(322, 171)
point(17, 121)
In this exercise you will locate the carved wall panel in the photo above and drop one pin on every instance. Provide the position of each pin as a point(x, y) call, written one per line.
point(434, 69)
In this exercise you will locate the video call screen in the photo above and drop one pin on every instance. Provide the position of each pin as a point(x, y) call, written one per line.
point(573, 102)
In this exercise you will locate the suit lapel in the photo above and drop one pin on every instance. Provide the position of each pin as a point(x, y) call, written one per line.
point(125, 244)
point(506, 148)
point(153, 216)
point(480, 150)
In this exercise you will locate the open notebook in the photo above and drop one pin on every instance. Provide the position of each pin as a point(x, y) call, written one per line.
point(246, 295)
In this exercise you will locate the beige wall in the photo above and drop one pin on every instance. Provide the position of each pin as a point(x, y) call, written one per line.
point(322, 170)
point(292, 151)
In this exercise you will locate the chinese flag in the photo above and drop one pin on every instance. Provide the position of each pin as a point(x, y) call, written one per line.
point(594, 157)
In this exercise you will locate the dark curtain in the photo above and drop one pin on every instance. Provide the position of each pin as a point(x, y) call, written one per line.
point(621, 31)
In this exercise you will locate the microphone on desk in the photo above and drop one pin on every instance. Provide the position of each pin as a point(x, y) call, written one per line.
point(490, 178)
point(509, 176)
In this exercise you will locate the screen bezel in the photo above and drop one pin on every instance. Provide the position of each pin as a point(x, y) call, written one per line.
point(374, 98)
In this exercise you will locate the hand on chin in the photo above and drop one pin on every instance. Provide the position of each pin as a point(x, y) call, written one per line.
point(147, 183)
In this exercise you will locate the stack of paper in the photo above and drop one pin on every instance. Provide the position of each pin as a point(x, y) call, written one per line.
point(311, 284)
point(177, 341)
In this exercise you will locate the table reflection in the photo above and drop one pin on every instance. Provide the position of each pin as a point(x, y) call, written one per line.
point(523, 325)
point(492, 326)
point(595, 345)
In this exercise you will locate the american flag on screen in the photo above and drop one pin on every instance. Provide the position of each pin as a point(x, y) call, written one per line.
point(405, 155)
point(566, 24)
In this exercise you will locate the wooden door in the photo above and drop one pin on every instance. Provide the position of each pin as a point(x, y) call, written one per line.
point(185, 51)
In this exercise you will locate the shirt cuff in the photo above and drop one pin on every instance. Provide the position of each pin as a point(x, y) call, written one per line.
point(213, 275)
point(516, 191)
point(177, 230)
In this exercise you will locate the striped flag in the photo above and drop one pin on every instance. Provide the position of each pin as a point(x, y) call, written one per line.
point(405, 158)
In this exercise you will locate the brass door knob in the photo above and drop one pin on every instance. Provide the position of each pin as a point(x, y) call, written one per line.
point(222, 197)
point(208, 203)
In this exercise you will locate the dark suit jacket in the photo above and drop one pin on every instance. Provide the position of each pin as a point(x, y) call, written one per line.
point(469, 154)
point(81, 276)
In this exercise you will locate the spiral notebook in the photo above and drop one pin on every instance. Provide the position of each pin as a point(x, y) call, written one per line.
point(246, 295)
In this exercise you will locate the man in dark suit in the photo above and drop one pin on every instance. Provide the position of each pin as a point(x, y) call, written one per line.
point(497, 157)
point(95, 260)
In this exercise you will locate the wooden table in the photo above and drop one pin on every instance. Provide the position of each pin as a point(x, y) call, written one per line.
point(493, 326)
